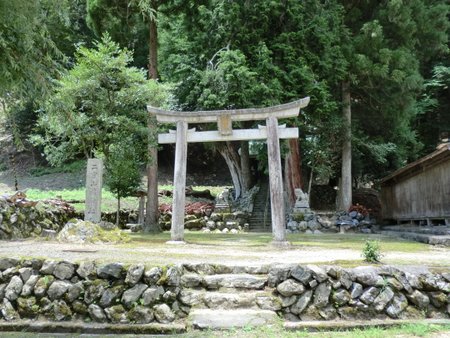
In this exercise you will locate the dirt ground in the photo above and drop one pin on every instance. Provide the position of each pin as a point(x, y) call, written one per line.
point(235, 252)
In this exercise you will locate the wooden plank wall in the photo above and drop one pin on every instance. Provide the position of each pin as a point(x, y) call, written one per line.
point(426, 195)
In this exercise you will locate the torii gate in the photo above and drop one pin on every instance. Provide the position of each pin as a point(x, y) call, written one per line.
point(224, 118)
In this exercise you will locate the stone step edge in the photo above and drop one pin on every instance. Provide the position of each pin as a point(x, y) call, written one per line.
point(418, 237)
point(232, 291)
point(425, 231)
point(257, 270)
point(226, 319)
point(345, 325)
point(235, 281)
point(80, 327)
point(229, 299)
point(230, 294)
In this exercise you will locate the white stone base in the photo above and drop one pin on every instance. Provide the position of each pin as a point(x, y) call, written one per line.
point(226, 319)
point(176, 242)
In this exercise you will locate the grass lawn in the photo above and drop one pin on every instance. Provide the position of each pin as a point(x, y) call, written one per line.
point(254, 240)
point(341, 249)
point(275, 331)
point(50, 180)
point(109, 202)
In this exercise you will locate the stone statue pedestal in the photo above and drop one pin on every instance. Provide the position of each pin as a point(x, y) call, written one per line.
point(302, 201)
point(223, 202)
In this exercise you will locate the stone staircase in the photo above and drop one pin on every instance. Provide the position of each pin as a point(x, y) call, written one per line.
point(434, 235)
point(260, 221)
point(235, 298)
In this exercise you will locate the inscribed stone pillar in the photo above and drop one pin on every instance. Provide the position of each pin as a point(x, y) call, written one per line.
point(275, 181)
point(179, 180)
point(141, 216)
point(94, 182)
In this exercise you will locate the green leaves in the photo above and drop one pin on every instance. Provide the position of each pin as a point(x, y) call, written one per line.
point(98, 100)
point(123, 175)
point(28, 55)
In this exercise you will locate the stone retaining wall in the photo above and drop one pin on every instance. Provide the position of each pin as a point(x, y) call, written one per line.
point(135, 294)
point(325, 293)
point(28, 219)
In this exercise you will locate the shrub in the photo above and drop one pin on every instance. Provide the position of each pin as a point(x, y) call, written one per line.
point(371, 251)
point(360, 209)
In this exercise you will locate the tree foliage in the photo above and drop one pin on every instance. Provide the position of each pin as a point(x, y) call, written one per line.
point(28, 55)
point(388, 48)
point(100, 99)
point(241, 54)
point(37, 39)
point(124, 22)
point(123, 176)
point(433, 120)
point(231, 54)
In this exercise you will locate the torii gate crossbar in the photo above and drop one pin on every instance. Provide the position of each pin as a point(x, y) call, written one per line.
point(224, 118)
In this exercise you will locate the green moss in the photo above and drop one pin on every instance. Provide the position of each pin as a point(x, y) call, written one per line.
point(110, 236)
point(79, 307)
point(99, 282)
point(44, 282)
point(163, 279)
point(226, 216)
point(117, 313)
point(298, 217)
point(65, 310)
point(27, 306)
point(97, 233)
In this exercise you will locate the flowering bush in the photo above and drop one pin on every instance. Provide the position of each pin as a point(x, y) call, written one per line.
point(360, 209)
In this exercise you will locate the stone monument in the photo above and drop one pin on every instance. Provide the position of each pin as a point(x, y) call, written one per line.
point(94, 183)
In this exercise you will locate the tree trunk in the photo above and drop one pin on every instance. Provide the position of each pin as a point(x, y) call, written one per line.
point(346, 178)
point(118, 211)
point(151, 217)
point(233, 162)
point(152, 211)
point(245, 166)
point(153, 46)
point(293, 170)
point(311, 177)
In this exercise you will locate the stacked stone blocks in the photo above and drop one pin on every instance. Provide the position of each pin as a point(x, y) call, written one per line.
point(136, 294)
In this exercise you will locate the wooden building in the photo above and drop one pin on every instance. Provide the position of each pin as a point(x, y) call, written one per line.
point(419, 192)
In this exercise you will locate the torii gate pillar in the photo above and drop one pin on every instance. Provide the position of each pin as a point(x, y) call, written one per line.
point(179, 193)
point(275, 182)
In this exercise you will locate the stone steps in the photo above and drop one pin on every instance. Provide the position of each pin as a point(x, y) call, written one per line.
point(260, 220)
point(232, 299)
point(419, 237)
point(237, 281)
point(200, 269)
point(228, 299)
point(260, 216)
point(261, 229)
point(226, 319)
point(225, 300)
point(429, 230)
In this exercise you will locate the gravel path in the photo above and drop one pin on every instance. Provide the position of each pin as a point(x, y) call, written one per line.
point(194, 253)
